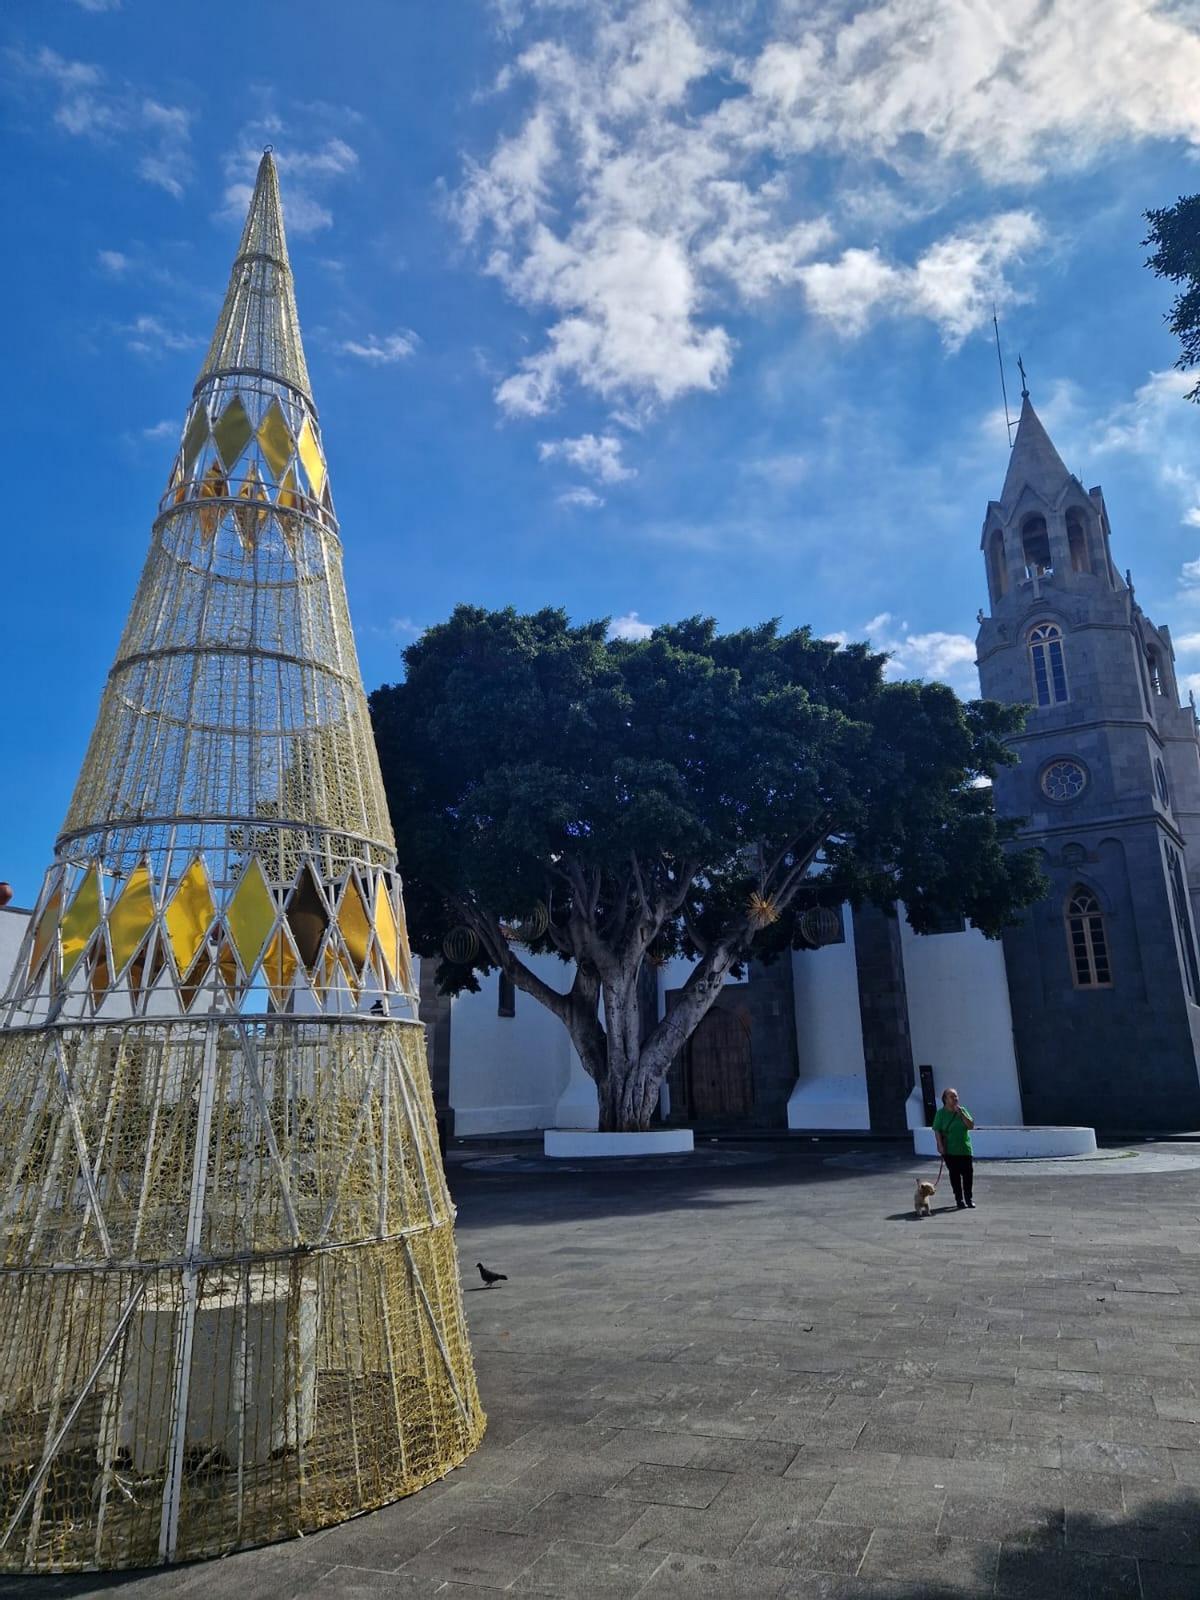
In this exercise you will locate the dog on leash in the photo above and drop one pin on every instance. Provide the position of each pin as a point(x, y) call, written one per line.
point(923, 1196)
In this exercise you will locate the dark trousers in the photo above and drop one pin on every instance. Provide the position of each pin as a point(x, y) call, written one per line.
point(962, 1177)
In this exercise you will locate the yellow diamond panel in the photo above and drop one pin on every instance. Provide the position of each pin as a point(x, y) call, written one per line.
point(44, 937)
point(193, 439)
point(310, 454)
point(189, 915)
point(279, 966)
point(129, 920)
point(403, 956)
point(274, 439)
point(80, 922)
point(232, 432)
point(250, 916)
point(385, 926)
point(355, 925)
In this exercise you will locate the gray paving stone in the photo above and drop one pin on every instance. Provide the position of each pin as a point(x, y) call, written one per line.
point(690, 1530)
point(669, 1486)
point(885, 1506)
point(476, 1555)
point(1166, 1581)
point(1025, 1574)
point(1007, 1521)
point(657, 1446)
point(817, 1546)
point(583, 1518)
point(575, 1570)
point(967, 1565)
point(745, 1455)
point(683, 1577)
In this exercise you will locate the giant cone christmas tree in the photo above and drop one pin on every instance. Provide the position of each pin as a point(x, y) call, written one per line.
point(229, 1300)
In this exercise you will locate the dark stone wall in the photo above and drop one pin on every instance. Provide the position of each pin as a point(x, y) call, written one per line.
point(883, 1000)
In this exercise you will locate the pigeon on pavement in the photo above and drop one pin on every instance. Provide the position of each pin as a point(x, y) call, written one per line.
point(489, 1278)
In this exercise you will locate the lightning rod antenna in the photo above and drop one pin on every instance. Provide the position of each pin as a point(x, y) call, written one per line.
point(1003, 386)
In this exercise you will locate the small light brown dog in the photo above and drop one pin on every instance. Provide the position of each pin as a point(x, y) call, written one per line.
point(923, 1196)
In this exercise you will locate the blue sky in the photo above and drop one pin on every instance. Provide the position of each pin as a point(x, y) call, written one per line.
point(641, 309)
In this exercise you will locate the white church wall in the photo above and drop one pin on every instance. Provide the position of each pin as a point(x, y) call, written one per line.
point(509, 1073)
point(960, 1021)
point(13, 923)
point(831, 1087)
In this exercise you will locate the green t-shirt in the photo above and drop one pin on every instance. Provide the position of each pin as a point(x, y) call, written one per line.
point(953, 1130)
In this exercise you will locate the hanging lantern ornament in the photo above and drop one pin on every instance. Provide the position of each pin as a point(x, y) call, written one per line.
point(460, 946)
point(532, 927)
point(820, 925)
point(762, 910)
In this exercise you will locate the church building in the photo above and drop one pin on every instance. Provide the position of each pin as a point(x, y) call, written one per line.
point(1087, 1012)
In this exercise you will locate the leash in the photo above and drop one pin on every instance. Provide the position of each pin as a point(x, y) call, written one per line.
point(941, 1169)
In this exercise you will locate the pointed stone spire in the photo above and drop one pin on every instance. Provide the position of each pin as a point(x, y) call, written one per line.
point(1034, 462)
point(258, 331)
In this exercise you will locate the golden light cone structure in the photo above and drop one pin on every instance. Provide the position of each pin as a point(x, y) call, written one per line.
point(229, 1300)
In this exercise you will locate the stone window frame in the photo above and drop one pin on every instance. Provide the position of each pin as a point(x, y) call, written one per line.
point(1177, 887)
point(1047, 665)
point(1160, 782)
point(1088, 946)
point(1063, 760)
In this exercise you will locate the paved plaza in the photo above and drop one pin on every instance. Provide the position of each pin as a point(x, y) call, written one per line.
point(755, 1374)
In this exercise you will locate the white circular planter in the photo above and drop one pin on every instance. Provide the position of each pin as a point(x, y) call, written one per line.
point(1016, 1144)
point(576, 1142)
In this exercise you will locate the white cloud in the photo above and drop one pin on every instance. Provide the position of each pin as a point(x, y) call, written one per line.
point(1187, 644)
point(113, 261)
point(379, 352)
point(659, 171)
point(89, 106)
point(629, 626)
point(597, 455)
point(1158, 425)
point(166, 429)
point(783, 470)
point(581, 498)
point(946, 657)
point(98, 5)
point(149, 336)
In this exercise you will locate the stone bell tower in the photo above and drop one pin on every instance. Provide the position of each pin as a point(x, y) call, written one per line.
point(1104, 975)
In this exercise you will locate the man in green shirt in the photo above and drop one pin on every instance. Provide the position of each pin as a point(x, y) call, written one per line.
point(952, 1126)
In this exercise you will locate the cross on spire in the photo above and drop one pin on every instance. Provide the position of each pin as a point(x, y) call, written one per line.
point(1024, 380)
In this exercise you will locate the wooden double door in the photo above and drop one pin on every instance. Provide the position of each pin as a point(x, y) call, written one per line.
point(717, 1067)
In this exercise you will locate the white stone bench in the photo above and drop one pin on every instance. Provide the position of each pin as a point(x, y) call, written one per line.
point(1017, 1143)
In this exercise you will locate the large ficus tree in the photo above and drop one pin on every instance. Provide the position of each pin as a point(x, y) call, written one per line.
point(692, 793)
point(1175, 235)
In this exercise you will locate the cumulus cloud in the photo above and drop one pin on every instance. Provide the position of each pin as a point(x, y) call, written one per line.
point(383, 352)
point(1159, 426)
point(89, 105)
point(150, 336)
point(597, 455)
point(581, 498)
point(630, 626)
point(659, 176)
point(945, 657)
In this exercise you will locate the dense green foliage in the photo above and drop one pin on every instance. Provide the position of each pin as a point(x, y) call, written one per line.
point(670, 795)
point(1175, 235)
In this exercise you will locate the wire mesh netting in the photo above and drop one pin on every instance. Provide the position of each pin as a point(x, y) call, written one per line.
point(229, 1298)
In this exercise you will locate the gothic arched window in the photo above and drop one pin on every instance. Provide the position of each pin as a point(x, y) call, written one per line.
point(998, 565)
point(1035, 543)
point(1077, 542)
point(1160, 783)
point(1087, 940)
point(1183, 923)
point(1154, 668)
point(1047, 664)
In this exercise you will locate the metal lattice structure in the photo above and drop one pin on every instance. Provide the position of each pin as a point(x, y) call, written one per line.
point(229, 1300)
